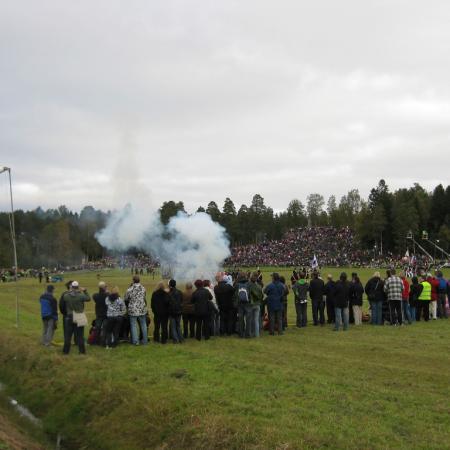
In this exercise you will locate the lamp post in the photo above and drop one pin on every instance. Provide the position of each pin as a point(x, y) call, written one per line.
point(12, 228)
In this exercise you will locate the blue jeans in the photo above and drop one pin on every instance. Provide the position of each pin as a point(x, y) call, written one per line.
point(245, 319)
point(175, 329)
point(341, 315)
point(256, 320)
point(134, 329)
point(412, 311)
point(377, 313)
point(407, 311)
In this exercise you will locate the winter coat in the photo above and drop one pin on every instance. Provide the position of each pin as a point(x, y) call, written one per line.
point(434, 288)
point(224, 296)
point(201, 299)
point(187, 308)
point(356, 294)
point(342, 294)
point(175, 302)
point(301, 289)
point(160, 303)
point(256, 293)
point(275, 293)
point(135, 298)
point(329, 291)
point(100, 305)
point(375, 290)
point(316, 289)
point(115, 306)
point(414, 293)
point(74, 301)
point(49, 306)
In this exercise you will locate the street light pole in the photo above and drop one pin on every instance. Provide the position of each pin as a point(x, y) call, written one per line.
point(13, 239)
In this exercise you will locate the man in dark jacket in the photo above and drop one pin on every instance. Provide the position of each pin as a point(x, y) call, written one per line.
point(375, 293)
point(275, 293)
point(201, 299)
point(224, 296)
point(175, 309)
point(73, 301)
point(341, 301)
point(329, 295)
point(160, 307)
point(316, 292)
point(242, 295)
point(100, 312)
point(49, 314)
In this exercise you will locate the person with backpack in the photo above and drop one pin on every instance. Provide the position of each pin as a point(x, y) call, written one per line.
point(442, 294)
point(301, 289)
point(175, 309)
point(275, 292)
point(242, 291)
point(49, 315)
point(115, 312)
point(374, 290)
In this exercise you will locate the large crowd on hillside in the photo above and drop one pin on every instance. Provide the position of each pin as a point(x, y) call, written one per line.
point(239, 304)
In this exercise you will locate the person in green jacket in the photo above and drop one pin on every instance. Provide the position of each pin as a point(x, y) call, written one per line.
point(423, 302)
point(74, 301)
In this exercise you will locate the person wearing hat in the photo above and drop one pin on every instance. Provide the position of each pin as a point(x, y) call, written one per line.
point(49, 314)
point(74, 301)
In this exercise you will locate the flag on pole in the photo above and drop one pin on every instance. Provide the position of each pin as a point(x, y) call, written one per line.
point(407, 253)
point(314, 263)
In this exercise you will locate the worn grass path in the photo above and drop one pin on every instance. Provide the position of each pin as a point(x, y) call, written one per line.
point(371, 387)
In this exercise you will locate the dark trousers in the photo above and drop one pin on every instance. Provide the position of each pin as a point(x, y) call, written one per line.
point(423, 309)
point(285, 307)
point(188, 325)
point(227, 322)
point(318, 310)
point(100, 326)
point(161, 333)
point(302, 314)
point(202, 327)
point(275, 317)
point(71, 329)
point(331, 316)
point(441, 311)
point(395, 312)
point(175, 328)
point(112, 330)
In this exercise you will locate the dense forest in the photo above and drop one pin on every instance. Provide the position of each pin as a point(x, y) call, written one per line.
point(60, 236)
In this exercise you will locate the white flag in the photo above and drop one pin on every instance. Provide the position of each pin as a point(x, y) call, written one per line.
point(314, 263)
point(407, 253)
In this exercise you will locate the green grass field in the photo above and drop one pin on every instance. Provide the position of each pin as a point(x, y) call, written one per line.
point(368, 388)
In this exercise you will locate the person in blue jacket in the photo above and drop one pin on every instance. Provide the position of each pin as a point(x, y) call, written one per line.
point(275, 292)
point(49, 314)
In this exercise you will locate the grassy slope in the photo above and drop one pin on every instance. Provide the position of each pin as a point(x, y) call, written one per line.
point(367, 388)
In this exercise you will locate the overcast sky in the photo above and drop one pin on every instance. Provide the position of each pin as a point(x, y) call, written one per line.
point(217, 99)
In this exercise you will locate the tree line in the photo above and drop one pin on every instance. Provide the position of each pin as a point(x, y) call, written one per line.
point(382, 221)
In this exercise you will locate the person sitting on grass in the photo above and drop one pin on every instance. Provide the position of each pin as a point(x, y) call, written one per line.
point(49, 314)
point(115, 313)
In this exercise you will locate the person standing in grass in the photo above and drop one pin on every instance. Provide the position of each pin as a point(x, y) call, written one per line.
point(187, 310)
point(275, 292)
point(175, 309)
point(74, 301)
point(329, 296)
point(224, 292)
point(434, 295)
point(405, 298)
point(393, 287)
point(423, 302)
point(442, 294)
point(375, 293)
point(356, 299)
point(201, 298)
point(135, 297)
point(160, 307)
point(301, 288)
point(285, 301)
point(316, 292)
point(414, 294)
point(100, 312)
point(242, 294)
point(49, 314)
point(256, 299)
point(115, 312)
point(341, 301)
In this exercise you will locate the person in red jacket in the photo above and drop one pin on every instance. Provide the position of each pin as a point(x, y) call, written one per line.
point(405, 298)
point(434, 295)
